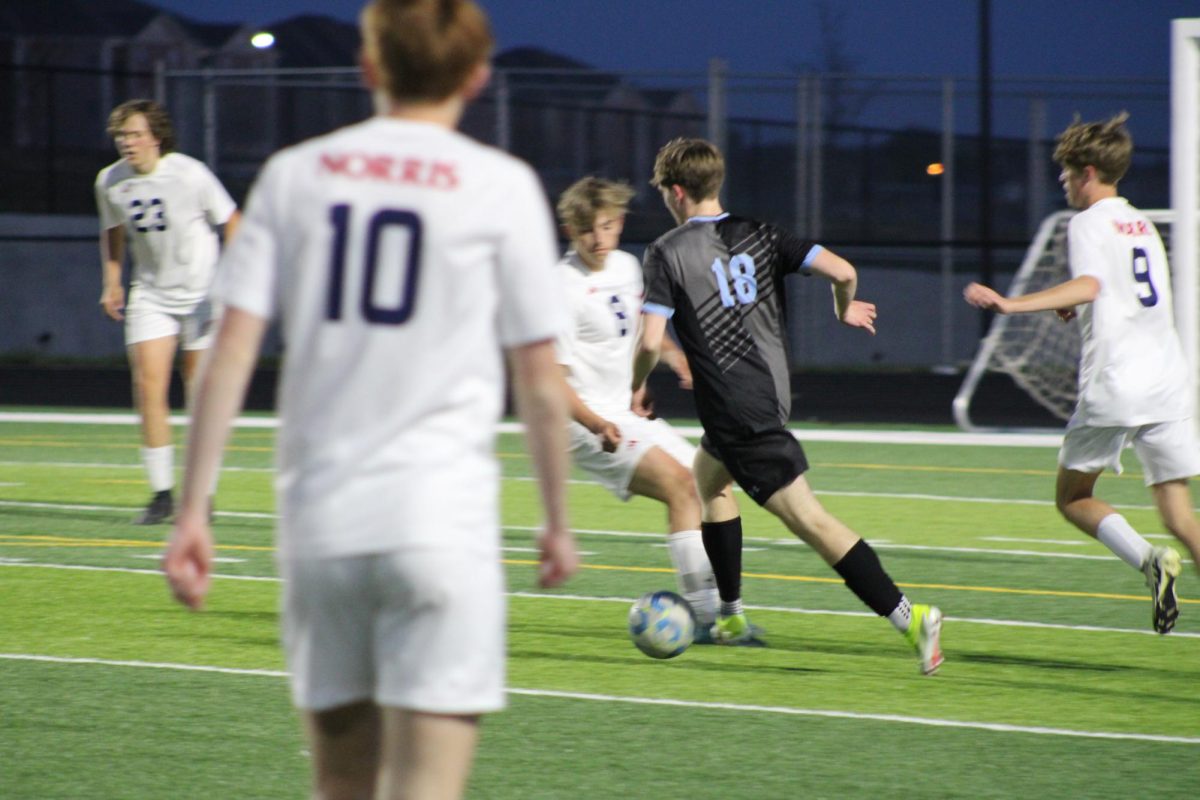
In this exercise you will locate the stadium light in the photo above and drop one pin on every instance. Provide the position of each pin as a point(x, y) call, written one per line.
point(263, 40)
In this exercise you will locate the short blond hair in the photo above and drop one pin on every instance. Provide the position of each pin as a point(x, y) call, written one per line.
point(425, 50)
point(695, 164)
point(587, 197)
point(1106, 145)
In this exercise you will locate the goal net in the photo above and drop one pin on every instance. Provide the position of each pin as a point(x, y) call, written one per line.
point(1038, 351)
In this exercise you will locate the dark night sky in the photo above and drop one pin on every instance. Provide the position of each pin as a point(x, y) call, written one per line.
point(1079, 38)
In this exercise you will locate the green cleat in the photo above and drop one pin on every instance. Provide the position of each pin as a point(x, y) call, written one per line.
point(736, 631)
point(925, 635)
point(1161, 569)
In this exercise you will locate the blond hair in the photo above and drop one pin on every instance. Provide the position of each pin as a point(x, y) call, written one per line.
point(157, 119)
point(587, 197)
point(695, 164)
point(425, 50)
point(1106, 145)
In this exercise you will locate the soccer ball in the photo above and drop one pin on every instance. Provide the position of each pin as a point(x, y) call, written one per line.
point(661, 624)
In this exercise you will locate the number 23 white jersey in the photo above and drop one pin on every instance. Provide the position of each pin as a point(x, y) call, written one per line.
point(1132, 370)
point(170, 217)
point(401, 258)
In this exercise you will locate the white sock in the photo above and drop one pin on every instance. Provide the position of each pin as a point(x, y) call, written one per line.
point(696, 581)
point(1115, 532)
point(160, 466)
point(901, 616)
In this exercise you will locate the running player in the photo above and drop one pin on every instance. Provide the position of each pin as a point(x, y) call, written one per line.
point(404, 261)
point(720, 278)
point(1133, 378)
point(627, 453)
point(168, 209)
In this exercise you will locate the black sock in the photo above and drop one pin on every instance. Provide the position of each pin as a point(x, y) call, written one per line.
point(864, 575)
point(723, 544)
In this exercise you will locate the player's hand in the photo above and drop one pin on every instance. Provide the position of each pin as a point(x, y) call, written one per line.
point(112, 300)
point(860, 314)
point(188, 560)
point(643, 403)
point(559, 558)
point(610, 436)
point(986, 298)
point(1066, 314)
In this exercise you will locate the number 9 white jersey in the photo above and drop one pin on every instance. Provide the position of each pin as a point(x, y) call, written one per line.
point(1132, 370)
point(400, 257)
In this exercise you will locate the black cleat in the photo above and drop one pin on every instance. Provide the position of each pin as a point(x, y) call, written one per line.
point(160, 509)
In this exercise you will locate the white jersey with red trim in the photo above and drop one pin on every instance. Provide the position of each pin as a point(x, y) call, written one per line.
point(597, 344)
point(401, 257)
point(1132, 369)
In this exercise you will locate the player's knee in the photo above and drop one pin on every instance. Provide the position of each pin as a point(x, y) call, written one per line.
point(680, 490)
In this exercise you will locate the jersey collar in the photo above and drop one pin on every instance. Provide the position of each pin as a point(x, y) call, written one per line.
point(716, 218)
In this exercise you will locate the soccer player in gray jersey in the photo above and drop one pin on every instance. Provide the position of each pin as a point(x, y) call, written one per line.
point(720, 278)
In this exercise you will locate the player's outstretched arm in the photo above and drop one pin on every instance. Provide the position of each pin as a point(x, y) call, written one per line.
point(541, 399)
point(220, 392)
point(1061, 298)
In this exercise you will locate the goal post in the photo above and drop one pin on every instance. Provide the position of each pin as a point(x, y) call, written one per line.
point(1185, 188)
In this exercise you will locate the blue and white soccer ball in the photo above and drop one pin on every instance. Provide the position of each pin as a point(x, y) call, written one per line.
point(661, 624)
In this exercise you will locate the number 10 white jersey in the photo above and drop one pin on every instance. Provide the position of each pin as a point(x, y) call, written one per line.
point(1132, 370)
point(400, 257)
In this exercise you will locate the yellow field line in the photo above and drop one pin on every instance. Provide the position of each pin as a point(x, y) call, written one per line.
point(67, 541)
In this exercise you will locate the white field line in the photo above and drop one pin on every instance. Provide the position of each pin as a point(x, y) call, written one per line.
point(820, 612)
point(1048, 439)
point(994, 727)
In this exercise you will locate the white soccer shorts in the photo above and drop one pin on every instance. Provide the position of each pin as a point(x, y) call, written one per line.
point(146, 319)
point(420, 629)
point(1167, 450)
point(615, 470)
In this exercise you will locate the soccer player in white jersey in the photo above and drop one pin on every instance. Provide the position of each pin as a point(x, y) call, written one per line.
point(1133, 378)
point(629, 454)
point(167, 208)
point(405, 261)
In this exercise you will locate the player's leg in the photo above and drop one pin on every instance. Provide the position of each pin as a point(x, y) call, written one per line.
point(151, 362)
point(721, 533)
point(663, 473)
point(1174, 502)
point(1086, 452)
point(859, 566)
point(1170, 457)
point(345, 747)
point(328, 625)
point(439, 655)
point(426, 755)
